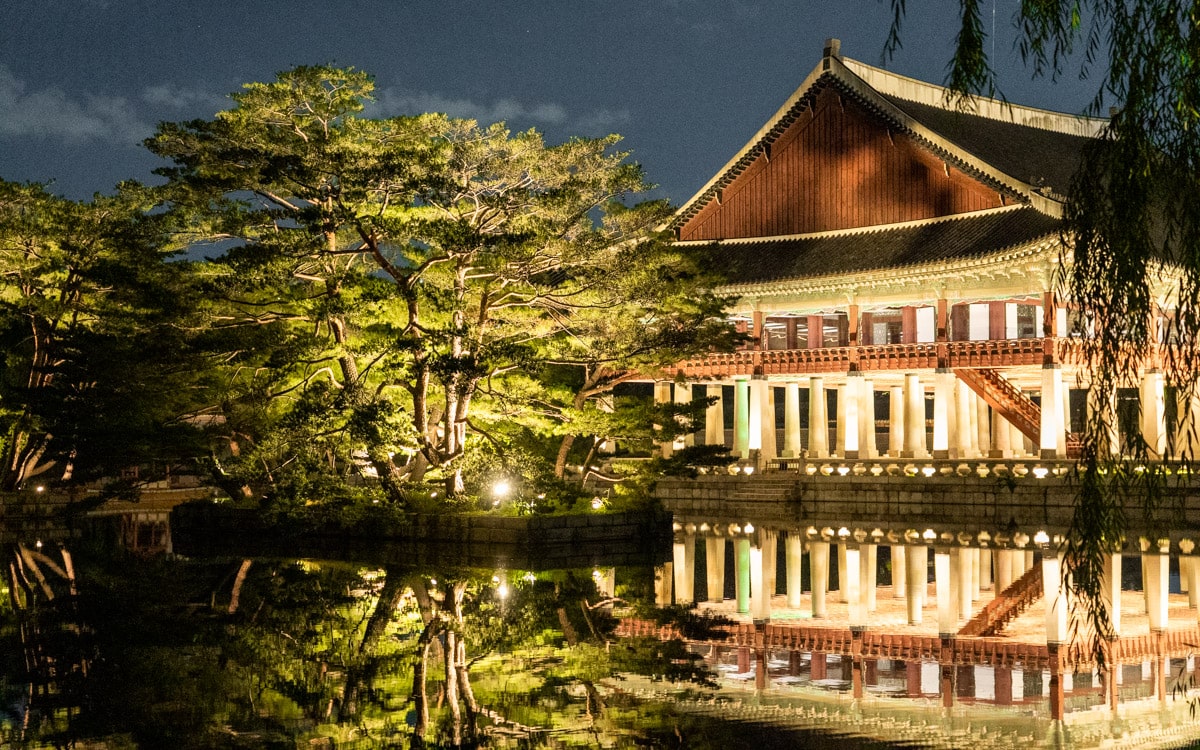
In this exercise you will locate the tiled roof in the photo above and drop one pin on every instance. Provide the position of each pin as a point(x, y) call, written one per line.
point(829, 253)
point(1042, 158)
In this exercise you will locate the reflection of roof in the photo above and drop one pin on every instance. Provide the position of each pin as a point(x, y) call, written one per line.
point(962, 236)
point(1042, 158)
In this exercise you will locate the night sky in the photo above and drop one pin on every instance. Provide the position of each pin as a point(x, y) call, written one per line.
point(687, 83)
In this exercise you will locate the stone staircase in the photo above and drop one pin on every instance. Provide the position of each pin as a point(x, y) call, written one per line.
point(1007, 606)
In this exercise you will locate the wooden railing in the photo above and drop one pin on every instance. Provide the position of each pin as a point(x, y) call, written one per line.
point(1005, 398)
point(1007, 606)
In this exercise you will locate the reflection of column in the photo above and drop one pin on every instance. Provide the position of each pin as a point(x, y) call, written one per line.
point(841, 572)
point(974, 557)
point(914, 416)
point(818, 557)
point(917, 561)
point(741, 571)
point(1055, 596)
point(942, 582)
point(896, 421)
point(985, 569)
point(1110, 590)
point(791, 420)
point(818, 419)
point(1003, 686)
point(760, 602)
point(868, 566)
point(714, 416)
point(794, 549)
point(898, 571)
point(714, 548)
point(960, 564)
point(662, 584)
point(1193, 579)
point(770, 547)
point(1004, 577)
point(849, 581)
point(685, 569)
point(741, 418)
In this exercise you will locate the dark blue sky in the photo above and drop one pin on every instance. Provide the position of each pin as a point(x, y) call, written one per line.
point(82, 82)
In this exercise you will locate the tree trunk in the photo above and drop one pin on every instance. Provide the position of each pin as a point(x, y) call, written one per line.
point(236, 595)
point(564, 449)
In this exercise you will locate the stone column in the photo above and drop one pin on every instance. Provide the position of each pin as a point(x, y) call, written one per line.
point(714, 416)
point(791, 420)
point(841, 570)
point(1110, 590)
point(1189, 570)
point(867, 444)
point(818, 419)
point(683, 396)
point(868, 567)
point(943, 394)
point(714, 548)
point(947, 622)
point(1156, 563)
point(741, 418)
point(1187, 440)
point(760, 600)
point(1154, 413)
point(1055, 596)
point(818, 557)
point(849, 408)
point(1053, 434)
point(663, 576)
point(974, 556)
point(916, 559)
point(1001, 431)
point(964, 431)
point(898, 571)
point(754, 427)
point(983, 426)
point(1017, 439)
point(741, 571)
point(662, 395)
point(794, 549)
point(914, 416)
point(685, 569)
point(896, 421)
point(985, 569)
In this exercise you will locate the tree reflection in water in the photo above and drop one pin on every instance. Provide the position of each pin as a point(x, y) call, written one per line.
point(198, 654)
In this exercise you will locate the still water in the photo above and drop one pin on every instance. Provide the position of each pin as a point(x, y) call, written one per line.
point(103, 649)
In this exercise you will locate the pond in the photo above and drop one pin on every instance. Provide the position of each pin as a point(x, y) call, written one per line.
point(102, 648)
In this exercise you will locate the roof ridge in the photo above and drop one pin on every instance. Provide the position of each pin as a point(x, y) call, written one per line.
point(922, 92)
point(852, 231)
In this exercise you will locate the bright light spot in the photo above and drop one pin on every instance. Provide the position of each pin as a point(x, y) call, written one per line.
point(1041, 538)
point(501, 489)
point(502, 591)
point(597, 503)
point(38, 544)
point(432, 581)
point(843, 470)
point(530, 578)
point(40, 488)
point(1040, 472)
point(928, 471)
point(748, 469)
point(929, 535)
point(748, 528)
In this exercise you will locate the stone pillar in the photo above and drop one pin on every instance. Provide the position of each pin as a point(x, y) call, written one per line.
point(1055, 596)
point(985, 569)
point(839, 422)
point(818, 558)
point(1154, 413)
point(1110, 590)
point(849, 409)
point(1004, 571)
point(1053, 433)
point(1191, 573)
point(947, 622)
point(868, 567)
point(794, 550)
point(741, 418)
point(867, 445)
point(714, 416)
point(964, 431)
point(818, 419)
point(898, 571)
point(791, 420)
point(849, 580)
point(1017, 439)
point(1157, 566)
point(983, 426)
point(973, 554)
point(1001, 431)
point(917, 580)
point(1187, 440)
point(755, 428)
point(896, 421)
point(662, 395)
point(714, 548)
point(683, 396)
point(914, 416)
point(741, 571)
point(685, 569)
point(943, 395)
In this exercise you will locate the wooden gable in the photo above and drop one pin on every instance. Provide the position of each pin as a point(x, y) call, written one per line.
point(837, 166)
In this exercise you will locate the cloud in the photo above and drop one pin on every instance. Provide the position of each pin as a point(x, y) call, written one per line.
point(174, 97)
point(52, 113)
point(394, 101)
